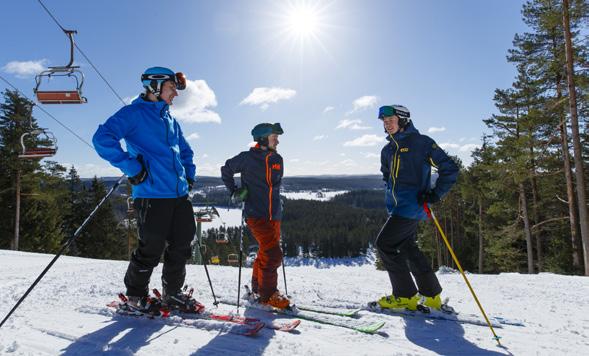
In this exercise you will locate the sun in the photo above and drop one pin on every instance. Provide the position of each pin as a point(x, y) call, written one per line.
point(303, 20)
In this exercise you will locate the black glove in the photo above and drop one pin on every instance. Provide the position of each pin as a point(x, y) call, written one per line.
point(430, 197)
point(141, 176)
point(239, 195)
point(190, 184)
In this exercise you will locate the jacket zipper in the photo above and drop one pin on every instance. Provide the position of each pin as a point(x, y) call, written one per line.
point(269, 181)
point(162, 112)
point(395, 169)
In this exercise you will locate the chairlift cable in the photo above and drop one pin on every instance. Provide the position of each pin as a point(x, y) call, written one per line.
point(47, 113)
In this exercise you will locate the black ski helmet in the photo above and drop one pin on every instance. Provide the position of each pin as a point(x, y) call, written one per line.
point(260, 132)
point(399, 110)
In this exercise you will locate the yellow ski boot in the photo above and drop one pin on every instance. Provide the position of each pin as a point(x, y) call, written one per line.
point(392, 302)
point(433, 302)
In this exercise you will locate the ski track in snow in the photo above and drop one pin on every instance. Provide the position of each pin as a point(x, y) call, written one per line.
point(66, 313)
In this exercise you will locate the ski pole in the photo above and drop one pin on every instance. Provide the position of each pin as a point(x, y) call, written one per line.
point(431, 214)
point(284, 271)
point(203, 255)
point(240, 254)
point(63, 248)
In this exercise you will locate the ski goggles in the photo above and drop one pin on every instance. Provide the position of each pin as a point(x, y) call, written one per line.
point(179, 79)
point(391, 110)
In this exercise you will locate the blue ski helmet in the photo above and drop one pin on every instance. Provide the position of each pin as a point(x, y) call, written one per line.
point(154, 77)
point(398, 110)
point(261, 132)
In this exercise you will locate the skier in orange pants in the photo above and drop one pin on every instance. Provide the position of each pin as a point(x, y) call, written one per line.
point(261, 171)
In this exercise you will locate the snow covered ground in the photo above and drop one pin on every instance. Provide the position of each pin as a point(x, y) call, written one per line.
point(57, 316)
point(323, 195)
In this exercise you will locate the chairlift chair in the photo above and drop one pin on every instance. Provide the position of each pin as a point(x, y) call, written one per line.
point(47, 147)
point(73, 96)
point(130, 208)
point(232, 258)
point(222, 236)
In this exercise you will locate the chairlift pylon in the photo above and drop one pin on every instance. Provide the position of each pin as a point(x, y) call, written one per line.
point(62, 96)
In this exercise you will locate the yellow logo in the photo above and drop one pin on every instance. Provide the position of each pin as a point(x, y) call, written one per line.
point(404, 149)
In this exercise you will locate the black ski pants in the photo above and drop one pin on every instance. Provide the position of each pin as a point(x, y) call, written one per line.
point(398, 250)
point(165, 226)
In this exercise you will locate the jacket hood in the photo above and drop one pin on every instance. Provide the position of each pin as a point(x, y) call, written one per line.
point(155, 104)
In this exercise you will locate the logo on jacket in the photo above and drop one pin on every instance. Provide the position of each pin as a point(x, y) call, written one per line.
point(405, 149)
point(276, 166)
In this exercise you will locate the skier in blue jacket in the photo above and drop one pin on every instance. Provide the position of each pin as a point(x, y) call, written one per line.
point(158, 162)
point(406, 163)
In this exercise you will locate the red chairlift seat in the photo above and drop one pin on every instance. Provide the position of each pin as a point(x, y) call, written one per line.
point(48, 148)
point(232, 258)
point(60, 97)
point(222, 238)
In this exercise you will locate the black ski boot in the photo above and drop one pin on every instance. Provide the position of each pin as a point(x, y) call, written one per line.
point(182, 301)
point(146, 304)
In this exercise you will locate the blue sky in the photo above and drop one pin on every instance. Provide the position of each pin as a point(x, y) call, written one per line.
point(320, 68)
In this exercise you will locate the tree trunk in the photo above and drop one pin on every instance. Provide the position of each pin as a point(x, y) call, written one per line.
point(538, 233)
point(577, 250)
point(481, 246)
point(15, 240)
point(451, 261)
point(577, 149)
point(527, 229)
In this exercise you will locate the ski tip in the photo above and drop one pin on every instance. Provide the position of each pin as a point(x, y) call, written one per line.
point(371, 329)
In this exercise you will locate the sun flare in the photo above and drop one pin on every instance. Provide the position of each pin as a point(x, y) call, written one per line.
point(303, 20)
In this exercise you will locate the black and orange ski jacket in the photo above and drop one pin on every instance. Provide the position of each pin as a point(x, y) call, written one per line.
point(261, 173)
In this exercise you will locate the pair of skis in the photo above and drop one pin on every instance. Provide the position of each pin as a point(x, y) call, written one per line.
point(230, 323)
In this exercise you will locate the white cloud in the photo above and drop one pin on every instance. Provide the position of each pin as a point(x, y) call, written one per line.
point(436, 129)
point(462, 151)
point(192, 137)
point(194, 104)
point(319, 137)
point(449, 146)
point(25, 69)
point(295, 160)
point(352, 125)
point(469, 147)
point(89, 170)
point(371, 155)
point(266, 96)
point(128, 100)
point(365, 141)
point(204, 155)
point(363, 103)
point(328, 109)
point(207, 169)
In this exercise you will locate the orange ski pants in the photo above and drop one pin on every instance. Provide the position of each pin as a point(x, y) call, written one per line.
point(269, 258)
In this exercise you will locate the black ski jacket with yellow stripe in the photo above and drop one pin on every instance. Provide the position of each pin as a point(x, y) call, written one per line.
point(406, 163)
point(261, 172)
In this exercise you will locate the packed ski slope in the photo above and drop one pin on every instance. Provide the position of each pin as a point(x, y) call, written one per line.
point(66, 313)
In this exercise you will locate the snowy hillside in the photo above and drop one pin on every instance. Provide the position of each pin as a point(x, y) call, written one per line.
point(66, 314)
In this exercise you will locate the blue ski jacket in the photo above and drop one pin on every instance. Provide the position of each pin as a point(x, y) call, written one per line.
point(261, 173)
point(406, 163)
point(148, 130)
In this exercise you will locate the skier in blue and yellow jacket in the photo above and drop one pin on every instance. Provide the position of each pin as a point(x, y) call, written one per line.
point(261, 171)
point(406, 163)
point(158, 162)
